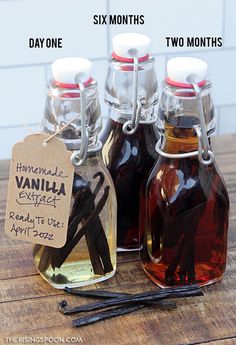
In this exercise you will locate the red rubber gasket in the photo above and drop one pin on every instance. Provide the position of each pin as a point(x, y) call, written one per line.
point(72, 86)
point(183, 85)
point(125, 59)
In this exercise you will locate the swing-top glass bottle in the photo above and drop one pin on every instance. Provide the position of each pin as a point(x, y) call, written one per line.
point(130, 133)
point(185, 213)
point(89, 255)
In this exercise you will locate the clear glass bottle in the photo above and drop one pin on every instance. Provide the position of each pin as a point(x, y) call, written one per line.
point(89, 255)
point(185, 204)
point(130, 133)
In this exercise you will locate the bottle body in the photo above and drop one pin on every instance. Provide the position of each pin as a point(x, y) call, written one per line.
point(184, 217)
point(129, 159)
point(89, 255)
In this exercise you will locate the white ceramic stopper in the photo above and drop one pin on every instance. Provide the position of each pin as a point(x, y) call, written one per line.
point(65, 70)
point(123, 43)
point(178, 69)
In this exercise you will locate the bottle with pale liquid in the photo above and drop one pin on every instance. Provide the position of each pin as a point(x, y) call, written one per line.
point(89, 254)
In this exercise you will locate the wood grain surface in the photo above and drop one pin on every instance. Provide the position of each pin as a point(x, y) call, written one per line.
point(28, 305)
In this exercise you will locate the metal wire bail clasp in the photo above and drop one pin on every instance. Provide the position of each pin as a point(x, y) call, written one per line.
point(205, 155)
point(78, 157)
point(130, 126)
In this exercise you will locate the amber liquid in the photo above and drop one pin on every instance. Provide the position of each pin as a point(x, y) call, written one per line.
point(129, 159)
point(184, 217)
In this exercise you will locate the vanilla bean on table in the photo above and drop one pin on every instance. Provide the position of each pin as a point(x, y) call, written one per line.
point(140, 298)
point(95, 293)
point(102, 294)
point(107, 314)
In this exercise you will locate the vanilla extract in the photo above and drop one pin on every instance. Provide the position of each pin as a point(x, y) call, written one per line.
point(129, 140)
point(186, 217)
point(89, 252)
point(185, 204)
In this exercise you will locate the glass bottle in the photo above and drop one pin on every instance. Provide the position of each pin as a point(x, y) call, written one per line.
point(89, 255)
point(130, 133)
point(185, 202)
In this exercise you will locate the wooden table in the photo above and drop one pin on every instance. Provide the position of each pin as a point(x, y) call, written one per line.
point(28, 305)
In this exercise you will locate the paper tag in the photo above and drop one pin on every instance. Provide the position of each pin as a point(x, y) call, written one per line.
point(39, 191)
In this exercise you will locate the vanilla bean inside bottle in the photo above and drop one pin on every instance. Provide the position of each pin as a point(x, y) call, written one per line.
point(130, 133)
point(89, 254)
point(185, 202)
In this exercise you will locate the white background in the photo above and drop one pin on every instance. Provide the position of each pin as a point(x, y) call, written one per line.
point(24, 72)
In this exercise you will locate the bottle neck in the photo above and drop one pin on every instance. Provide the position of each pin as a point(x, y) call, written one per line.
point(148, 116)
point(116, 124)
point(178, 115)
point(179, 140)
point(127, 86)
point(64, 113)
point(146, 136)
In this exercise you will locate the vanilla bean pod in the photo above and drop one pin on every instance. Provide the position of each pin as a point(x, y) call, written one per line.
point(70, 246)
point(183, 291)
point(93, 230)
point(83, 211)
point(107, 314)
point(56, 256)
point(184, 253)
point(182, 228)
point(97, 232)
point(52, 256)
point(101, 294)
point(95, 293)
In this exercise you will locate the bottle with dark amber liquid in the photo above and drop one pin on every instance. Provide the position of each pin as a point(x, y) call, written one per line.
point(130, 134)
point(185, 204)
point(72, 112)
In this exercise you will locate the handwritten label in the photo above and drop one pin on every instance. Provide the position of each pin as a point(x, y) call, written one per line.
point(39, 191)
